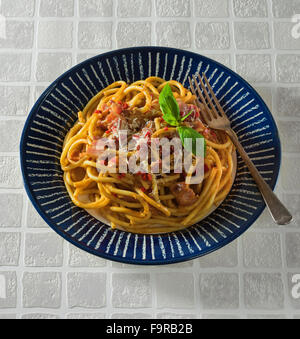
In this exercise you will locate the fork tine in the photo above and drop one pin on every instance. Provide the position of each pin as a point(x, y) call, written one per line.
point(208, 98)
point(200, 105)
point(206, 113)
point(194, 91)
point(214, 96)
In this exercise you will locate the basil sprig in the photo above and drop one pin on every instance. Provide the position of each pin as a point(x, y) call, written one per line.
point(169, 106)
point(192, 135)
point(171, 114)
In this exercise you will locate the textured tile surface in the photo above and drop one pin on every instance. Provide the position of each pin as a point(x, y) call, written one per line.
point(51, 65)
point(56, 8)
point(8, 128)
point(287, 68)
point(213, 35)
point(173, 34)
point(86, 290)
point(254, 67)
point(43, 250)
point(219, 290)
point(175, 290)
point(173, 8)
point(263, 291)
point(18, 35)
point(131, 290)
point(11, 107)
point(9, 286)
point(11, 206)
point(79, 258)
point(41, 290)
point(9, 248)
point(10, 173)
point(255, 255)
point(225, 257)
point(133, 8)
point(133, 33)
point(252, 35)
point(18, 8)
point(43, 277)
point(212, 8)
point(94, 35)
point(285, 9)
point(95, 8)
point(55, 35)
point(250, 8)
point(15, 67)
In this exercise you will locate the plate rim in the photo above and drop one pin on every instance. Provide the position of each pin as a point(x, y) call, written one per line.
point(138, 262)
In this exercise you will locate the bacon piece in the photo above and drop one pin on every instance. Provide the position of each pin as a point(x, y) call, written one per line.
point(198, 126)
point(210, 135)
point(185, 109)
point(92, 152)
point(112, 116)
point(96, 148)
point(184, 195)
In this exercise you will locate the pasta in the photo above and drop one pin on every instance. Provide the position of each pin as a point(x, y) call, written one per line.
point(143, 202)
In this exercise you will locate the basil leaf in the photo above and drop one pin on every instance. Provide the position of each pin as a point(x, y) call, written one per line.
point(182, 119)
point(189, 133)
point(169, 106)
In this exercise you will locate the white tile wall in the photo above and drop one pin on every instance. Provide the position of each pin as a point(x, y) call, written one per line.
point(47, 278)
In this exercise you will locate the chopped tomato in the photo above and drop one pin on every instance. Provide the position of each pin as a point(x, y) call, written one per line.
point(116, 108)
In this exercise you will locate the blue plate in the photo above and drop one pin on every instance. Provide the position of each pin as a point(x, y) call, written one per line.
point(56, 111)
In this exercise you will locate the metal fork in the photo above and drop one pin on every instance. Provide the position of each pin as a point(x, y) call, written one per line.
point(215, 117)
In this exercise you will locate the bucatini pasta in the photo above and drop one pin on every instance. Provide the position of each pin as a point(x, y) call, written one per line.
point(143, 202)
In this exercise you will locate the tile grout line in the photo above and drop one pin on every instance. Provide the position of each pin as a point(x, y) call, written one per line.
point(33, 70)
point(64, 269)
point(21, 265)
point(34, 53)
point(273, 52)
point(109, 274)
point(138, 18)
point(240, 256)
point(274, 108)
point(27, 51)
point(196, 264)
point(115, 22)
point(193, 25)
point(153, 19)
point(152, 275)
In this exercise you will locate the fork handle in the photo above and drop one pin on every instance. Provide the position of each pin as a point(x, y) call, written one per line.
point(278, 211)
